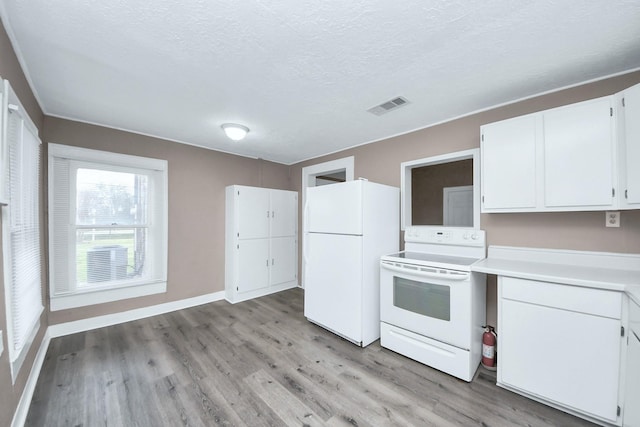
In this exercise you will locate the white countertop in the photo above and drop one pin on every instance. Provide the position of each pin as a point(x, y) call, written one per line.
point(549, 266)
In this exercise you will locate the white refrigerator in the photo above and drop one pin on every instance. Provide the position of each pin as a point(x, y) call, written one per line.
point(349, 226)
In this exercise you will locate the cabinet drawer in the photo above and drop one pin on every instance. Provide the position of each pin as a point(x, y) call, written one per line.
point(574, 298)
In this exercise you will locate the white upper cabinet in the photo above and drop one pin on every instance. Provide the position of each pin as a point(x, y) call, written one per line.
point(629, 137)
point(579, 147)
point(253, 213)
point(579, 157)
point(284, 213)
point(509, 150)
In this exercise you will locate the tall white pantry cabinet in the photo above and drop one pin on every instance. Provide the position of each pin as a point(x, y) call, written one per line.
point(261, 241)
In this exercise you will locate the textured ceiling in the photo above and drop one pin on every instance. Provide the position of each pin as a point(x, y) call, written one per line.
point(301, 74)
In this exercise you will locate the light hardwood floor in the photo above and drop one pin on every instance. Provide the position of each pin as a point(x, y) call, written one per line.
point(257, 363)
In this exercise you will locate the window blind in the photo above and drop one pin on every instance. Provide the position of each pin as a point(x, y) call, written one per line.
point(21, 235)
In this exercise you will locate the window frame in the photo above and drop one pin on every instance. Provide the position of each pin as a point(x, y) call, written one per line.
point(156, 225)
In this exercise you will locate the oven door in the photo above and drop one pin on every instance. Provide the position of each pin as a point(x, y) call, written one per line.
point(432, 302)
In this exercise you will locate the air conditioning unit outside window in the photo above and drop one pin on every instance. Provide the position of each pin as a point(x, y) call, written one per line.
point(106, 263)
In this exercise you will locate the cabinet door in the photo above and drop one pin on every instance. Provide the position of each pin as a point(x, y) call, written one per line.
point(632, 398)
point(253, 265)
point(253, 212)
point(508, 150)
point(283, 260)
point(566, 357)
point(284, 213)
point(630, 146)
point(578, 155)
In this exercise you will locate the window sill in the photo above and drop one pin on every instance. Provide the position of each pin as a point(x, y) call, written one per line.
point(85, 297)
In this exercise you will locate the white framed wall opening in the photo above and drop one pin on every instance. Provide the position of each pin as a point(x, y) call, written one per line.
point(466, 212)
point(108, 226)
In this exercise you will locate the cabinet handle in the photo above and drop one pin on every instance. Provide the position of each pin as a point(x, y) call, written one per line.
point(267, 263)
point(267, 214)
point(272, 261)
point(273, 213)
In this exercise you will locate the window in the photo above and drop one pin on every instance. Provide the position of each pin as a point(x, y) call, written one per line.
point(108, 222)
point(20, 228)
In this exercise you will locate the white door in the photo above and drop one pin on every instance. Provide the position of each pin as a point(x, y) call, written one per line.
point(552, 353)
point(508, 150)
point(253, 212)
point(253, 265)
point(333, 289)
point(284, 213)
point(283, 260)
point(335, 208)
point(631, 145)
point(578, 155)
point(457, 206)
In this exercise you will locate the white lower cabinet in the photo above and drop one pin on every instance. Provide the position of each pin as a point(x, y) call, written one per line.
point(562, 345)
point(632, 377)
point(253, 265)
point(284, 267)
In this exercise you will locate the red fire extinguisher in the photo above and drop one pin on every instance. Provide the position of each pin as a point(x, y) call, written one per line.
point(489, 338)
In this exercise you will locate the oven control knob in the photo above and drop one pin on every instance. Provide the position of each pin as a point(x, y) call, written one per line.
point(466, 236)
point(474, 236)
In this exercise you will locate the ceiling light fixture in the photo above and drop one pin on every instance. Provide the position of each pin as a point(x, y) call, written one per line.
point(234, 131)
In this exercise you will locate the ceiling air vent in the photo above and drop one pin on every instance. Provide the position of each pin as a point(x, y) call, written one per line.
point(385, 107)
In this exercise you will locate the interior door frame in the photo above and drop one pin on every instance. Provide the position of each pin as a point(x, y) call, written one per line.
point(309, 174)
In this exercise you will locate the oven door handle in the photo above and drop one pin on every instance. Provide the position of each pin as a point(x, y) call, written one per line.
point(453, 275)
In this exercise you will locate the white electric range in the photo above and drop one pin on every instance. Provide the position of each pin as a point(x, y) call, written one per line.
point(432, 306)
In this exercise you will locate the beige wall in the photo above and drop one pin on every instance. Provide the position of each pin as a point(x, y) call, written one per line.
point(197, 179)
point(10, 394)
point(380, 162)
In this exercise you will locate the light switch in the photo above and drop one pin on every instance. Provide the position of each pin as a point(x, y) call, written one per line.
point(612, 219)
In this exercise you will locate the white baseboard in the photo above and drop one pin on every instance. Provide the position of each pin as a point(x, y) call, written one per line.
point(83, 325)
point(20, 416)
point(53, 331)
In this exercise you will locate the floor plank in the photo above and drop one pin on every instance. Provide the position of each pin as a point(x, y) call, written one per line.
point(258, 363)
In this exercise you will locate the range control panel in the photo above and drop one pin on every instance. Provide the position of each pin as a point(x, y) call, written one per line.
point(445, 235)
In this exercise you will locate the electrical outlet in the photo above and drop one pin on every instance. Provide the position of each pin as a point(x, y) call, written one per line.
point(612, 219)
